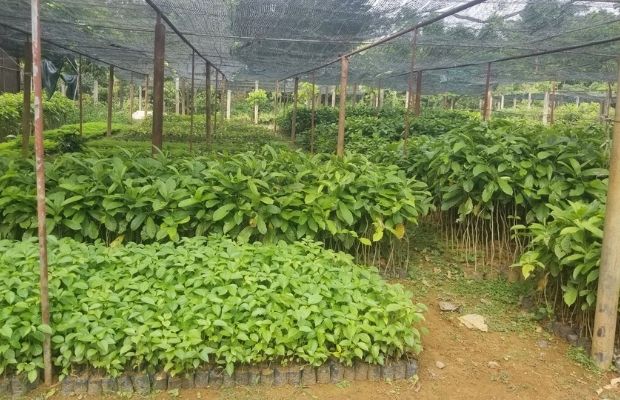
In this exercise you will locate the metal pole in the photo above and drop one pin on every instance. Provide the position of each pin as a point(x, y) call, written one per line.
point(40, 178)
point(26, 125)
point(191, 115)
point(294, 117)
point(157, 139)
point(486, 110)
point(606, 311)
point(417, 109)
point(344, 75)
point(208, 127)
point(80, 99)
point(313, 114)
point(110, 98)
point(408, 99)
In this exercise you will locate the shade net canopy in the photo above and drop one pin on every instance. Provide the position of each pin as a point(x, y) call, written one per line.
point(268, 40)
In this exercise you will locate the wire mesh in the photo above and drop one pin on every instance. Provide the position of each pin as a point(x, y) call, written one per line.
point(262, 40)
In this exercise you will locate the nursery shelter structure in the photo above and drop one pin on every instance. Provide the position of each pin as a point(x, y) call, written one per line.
point(421, 46)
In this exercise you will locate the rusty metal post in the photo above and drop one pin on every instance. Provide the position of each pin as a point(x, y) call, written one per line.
point(110, 99)
point(408, 100)
point(294, 115)
point(606, 312)
point(191, 113)
point(208, 127)
point(40, 178)
point(313, 114)
point(157, 139)
point(26, 119)
point(417, 109)
point(342, 114)
point(80, 98)
point(486, 108)
point(215, 102)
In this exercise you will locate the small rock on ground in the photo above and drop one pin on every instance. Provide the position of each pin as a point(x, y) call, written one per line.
point(493, 364)
point(474, 321)
point(440, 365)
point(447, 306)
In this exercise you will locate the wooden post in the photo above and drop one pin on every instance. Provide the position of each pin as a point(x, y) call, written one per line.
point(486, 111)
point(177, 103)
point(312, 114)
point(606, 311)
point(26, 125)
point(215, 102)
point(275, 107)
point(344, 75)
point(208, 126)
point(110, 99)
point(146, 97)
point(334, 96)
point(192, 104)
point(417, 110)
point(294, 116)
point(409, 93)
point(256, 104)
point(228, 103)
point(552, 104)
point(158, 86)
point(96, 92)
point(80, 99)
point(131, 100)
point(545, 114)
point(40, 179)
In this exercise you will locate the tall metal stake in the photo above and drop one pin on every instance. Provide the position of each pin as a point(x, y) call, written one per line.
point(486, 108)
point(110, 99)
point(606, 312)
point(294, 117)
point(344, 75)
point(157, 139)
point(40, 178)
point(313, 115)
point(191, 115)
point(26, 124)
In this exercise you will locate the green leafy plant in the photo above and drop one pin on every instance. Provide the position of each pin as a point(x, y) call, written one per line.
point(178, 306)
